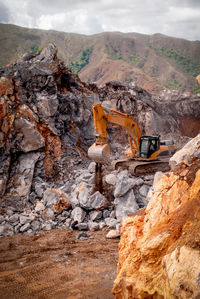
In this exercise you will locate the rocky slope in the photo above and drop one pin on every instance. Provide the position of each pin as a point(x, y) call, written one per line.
point(159, 249)
point(46, 179)
point(151, 61)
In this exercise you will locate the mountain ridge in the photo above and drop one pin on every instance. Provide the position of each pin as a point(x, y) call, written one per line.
point(152, 61)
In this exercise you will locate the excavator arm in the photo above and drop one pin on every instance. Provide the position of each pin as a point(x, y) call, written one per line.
point(100, 150)
point(146, 154)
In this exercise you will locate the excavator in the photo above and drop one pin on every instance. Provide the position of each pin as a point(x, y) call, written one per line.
point(146, 154)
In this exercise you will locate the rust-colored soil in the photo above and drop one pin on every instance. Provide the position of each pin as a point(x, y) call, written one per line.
point(57, 265)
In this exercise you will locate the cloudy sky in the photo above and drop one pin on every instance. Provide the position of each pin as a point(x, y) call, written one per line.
point(179, 18)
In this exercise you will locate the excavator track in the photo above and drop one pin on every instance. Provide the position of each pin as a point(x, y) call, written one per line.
point(138, 168)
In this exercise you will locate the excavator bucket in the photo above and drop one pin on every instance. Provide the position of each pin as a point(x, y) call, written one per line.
point(99, 153)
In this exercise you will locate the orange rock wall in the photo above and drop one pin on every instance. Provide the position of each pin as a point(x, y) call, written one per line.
point(159, 254)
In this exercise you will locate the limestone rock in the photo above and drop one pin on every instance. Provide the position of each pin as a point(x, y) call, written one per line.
point(39, 206)
point(111, 179)
point(48, 214)
point(81, 196)
point(124, 183)
point(159, 253)
point(32, 139)
point(144, 190)
point(78, 214)
point(21, 181)
point(95, 215)
point(25, 227)
point(82, 226)
point(125, 205)
point(189, 149)
point(93, 226)
point(98, 201)
point(111, 222)
point(24, 219)
point(57, 199)
point(113, 234)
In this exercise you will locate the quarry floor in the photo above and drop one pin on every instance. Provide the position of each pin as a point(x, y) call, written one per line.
point(57, 265)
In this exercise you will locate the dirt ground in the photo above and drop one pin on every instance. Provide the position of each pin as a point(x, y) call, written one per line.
point(57, 265)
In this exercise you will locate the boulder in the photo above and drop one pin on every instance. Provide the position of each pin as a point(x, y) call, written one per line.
point(14, 218)
point(78, 214)
point(35, 225)
point(6, 230)
point(40, 189)
point(125, 183)
point(106, 213)
point(113, 234)
point(125, 205)
point(111, 222)
point(110, 179)
point(95, 215)
point(25, 227)
point(144, 190)
point(191, 148)
point(82, 226)
point(56, 199)
point(93, 226)
point(47, 214)
point(81, 196)
point(47, 226)
point(98, 201)
point(24, 219)
point(39, 206)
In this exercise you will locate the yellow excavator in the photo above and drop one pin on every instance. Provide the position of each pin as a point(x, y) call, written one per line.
point(146, 154)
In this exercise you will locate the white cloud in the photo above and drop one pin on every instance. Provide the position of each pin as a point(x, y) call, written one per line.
point(180, 18)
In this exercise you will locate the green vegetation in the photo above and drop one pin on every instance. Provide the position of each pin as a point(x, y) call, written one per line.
point(184, 61)
point(134, 58)
point(34, 49)
point(118, 56)
point(173, 85)
point(152, 47)
point(196, 89)
point(82, 60)
point(128, 79)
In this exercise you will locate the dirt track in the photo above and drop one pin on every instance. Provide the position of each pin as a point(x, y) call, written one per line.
point(57, 265)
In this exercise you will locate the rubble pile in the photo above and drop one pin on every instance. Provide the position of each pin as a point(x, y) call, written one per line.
point(46, 127)
point(76, 206)
point(159, 253)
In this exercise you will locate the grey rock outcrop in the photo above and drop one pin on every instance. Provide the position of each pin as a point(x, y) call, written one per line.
point(191, 148)
point(125, 205)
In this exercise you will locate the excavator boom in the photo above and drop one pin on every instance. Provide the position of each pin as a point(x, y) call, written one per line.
point(100, 150)
point(146, 154)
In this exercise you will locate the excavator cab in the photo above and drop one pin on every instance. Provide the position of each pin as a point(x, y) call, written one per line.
point(148, 146)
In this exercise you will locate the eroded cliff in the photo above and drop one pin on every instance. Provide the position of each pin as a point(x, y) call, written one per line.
point(159, 254)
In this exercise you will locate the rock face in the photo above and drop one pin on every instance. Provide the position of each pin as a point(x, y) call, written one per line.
point(46, 128)
point(159, 253)
point(44, 114)
point(170, 114)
